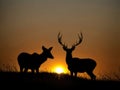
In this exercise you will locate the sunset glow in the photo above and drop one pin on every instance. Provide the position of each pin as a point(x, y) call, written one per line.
point(27, 25)
point(59, 69)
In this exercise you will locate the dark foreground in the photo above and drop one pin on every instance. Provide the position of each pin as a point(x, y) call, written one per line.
point(41, 81)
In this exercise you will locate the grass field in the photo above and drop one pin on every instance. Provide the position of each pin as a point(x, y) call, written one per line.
point(45, 80)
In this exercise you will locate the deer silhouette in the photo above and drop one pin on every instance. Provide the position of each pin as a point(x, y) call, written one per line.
point(33, 61)
point(75, 64)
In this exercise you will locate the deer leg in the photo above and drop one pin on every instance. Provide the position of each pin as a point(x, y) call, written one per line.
point(26, 69)
point(93, 77)
point(32, 70)
point(75, 74)
point(21, 69)
point(71, 73)
point(37, 70)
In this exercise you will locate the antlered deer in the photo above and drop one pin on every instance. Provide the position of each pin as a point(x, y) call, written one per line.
point(33, 61)
point(75, 64)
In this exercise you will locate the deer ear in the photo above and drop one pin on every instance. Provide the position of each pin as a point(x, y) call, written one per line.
point(50, 48)
point(73, 48)
point(65, 48)
point(43, 48)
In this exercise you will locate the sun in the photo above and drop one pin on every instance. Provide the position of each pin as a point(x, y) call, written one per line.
point(59, 69)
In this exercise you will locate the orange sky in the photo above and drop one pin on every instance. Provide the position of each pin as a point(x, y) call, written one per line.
point(26, 25)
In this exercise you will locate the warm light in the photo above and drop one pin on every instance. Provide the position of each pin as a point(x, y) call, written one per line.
point(59, 69)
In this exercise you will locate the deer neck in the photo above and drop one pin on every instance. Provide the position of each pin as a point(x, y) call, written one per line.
point(43, 56)
point(68, 57)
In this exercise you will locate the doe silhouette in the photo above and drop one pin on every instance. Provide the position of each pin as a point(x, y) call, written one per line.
point(76, 64)
point(33, 61)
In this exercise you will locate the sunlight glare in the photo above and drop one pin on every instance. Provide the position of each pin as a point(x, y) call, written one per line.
point(59, 70)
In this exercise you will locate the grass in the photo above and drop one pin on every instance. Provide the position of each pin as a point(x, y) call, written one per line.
point(46, 80)
point(53, 81)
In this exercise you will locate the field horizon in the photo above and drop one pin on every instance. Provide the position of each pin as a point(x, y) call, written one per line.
point(53, 81)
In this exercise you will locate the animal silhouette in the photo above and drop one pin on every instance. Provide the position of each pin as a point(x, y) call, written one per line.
point(76, 64)
point(33, 61)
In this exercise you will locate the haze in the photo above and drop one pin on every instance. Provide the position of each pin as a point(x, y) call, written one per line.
point(26, 25)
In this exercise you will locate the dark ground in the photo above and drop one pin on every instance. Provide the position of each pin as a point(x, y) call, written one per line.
point(44, 80)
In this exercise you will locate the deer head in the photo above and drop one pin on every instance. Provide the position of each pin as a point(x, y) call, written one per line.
point(47, 52)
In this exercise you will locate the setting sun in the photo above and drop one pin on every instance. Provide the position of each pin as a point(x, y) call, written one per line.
point(59, 69)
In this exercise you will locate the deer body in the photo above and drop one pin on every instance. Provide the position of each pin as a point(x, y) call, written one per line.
point(81, 65)
point(75, 64)
point(33, 61)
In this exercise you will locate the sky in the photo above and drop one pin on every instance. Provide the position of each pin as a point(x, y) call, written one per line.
point(27, 25)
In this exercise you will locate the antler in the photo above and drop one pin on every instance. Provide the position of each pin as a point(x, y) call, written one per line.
point(59, 40)
point(73, 46)
point(80, 40)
